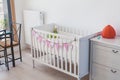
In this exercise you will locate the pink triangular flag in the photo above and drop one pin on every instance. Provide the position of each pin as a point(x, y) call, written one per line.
point(33, 33)
point(39, 38)
point(66, 45)
point(48, 43)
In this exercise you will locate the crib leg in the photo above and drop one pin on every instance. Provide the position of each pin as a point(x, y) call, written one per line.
point(33, 64)
point(79, 78)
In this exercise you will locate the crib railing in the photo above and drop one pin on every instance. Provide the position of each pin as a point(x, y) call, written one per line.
point(60, 52)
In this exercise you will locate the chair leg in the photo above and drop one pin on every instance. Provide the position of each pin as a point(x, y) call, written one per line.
point(20, 53)
point(6, 59)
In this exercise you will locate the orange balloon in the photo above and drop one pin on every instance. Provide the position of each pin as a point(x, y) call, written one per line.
point(108, 32)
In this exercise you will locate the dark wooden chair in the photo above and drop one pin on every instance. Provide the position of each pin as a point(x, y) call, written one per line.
point(16, 30)
point(3, 51)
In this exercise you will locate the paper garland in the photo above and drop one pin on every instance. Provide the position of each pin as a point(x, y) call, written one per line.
point(53, 44)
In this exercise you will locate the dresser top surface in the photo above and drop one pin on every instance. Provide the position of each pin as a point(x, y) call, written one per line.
point(100, 39)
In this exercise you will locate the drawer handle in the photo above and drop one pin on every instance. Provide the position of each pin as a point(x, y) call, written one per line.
point(115, 51)
point(113, 71)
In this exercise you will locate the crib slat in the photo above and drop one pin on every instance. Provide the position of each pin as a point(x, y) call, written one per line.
point(66, 29)
point(41, 47)
point(78, 54)
point(54, 54)
point(32, 42)
point(82, 33)
point(50, 56)
point(57, 55)
point(33, 45)
point(73, 31)
point(69, 30)
point(75, 58)
point(78, 32)
point(63, 29)
point(70, 61)
point(59, 28)
point(40, 50)
point(35, 48)
point(62, 55)
point(53, 51)
point(47, 49)
point(66, 58)
point(44, 48)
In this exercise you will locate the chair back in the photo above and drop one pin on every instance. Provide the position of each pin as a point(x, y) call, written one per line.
point(3, 37)
point(16, 28)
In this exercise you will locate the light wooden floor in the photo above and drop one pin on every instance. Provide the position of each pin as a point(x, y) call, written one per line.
point(25, 71)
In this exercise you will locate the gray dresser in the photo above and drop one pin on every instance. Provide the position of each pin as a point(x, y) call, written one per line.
point(105, 59)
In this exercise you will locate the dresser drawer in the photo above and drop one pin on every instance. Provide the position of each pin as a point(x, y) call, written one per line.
point(100, 72)
point(106, 56)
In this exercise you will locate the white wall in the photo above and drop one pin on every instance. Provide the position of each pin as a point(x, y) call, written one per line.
point(19, 5)
point(18, 10)
point(84, 14)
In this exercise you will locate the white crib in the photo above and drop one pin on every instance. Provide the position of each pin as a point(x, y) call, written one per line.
point(67, 51)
